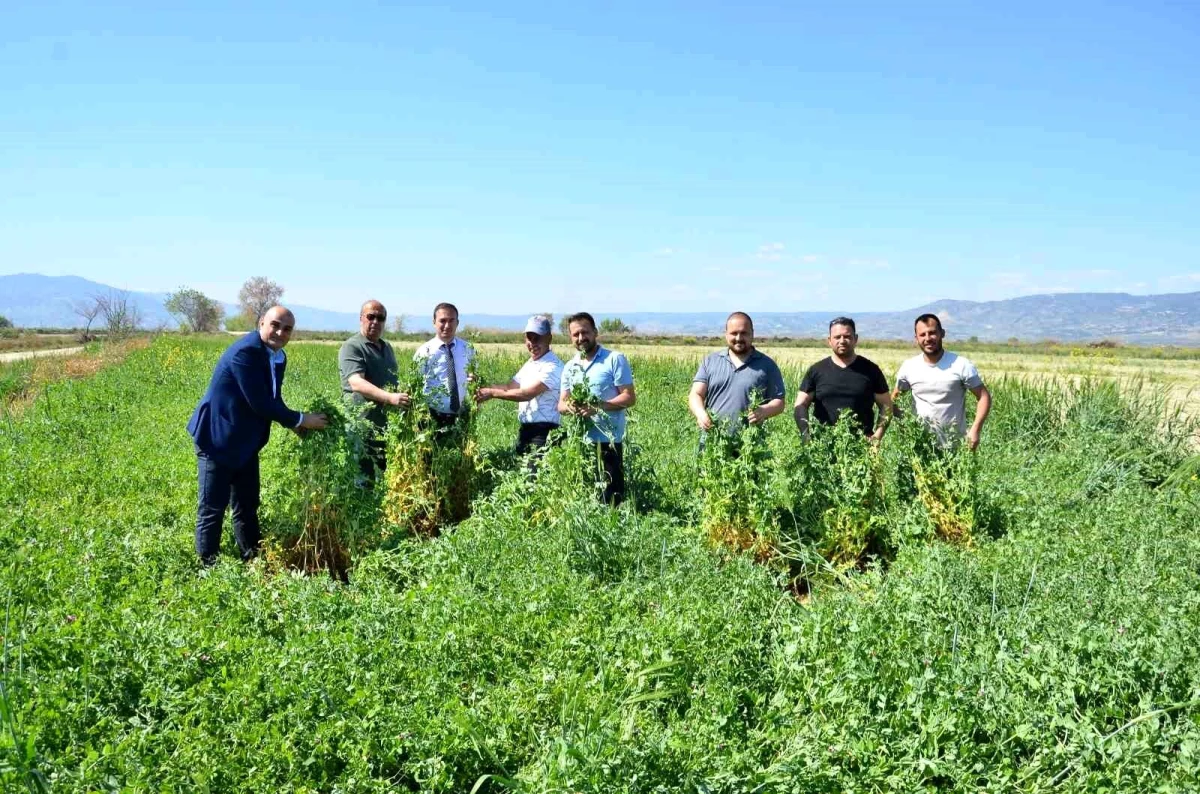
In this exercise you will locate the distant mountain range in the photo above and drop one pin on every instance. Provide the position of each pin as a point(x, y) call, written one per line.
point(33, 300)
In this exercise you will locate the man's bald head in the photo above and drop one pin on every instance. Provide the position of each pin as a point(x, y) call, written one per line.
point(372, 319)
point(276, 326)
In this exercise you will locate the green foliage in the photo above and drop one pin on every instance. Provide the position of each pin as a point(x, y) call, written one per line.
point(325, 516)
point(547, 643)
point(734, 506)
point(242, 322)
point(196, 311)
point(614, 325)
point(16, 379)
point(5, 322)
point(431, 470)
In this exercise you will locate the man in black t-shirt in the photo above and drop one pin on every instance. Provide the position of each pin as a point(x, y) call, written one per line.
point(844, 381)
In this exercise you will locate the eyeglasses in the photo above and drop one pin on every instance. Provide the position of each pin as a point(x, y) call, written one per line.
point(371, 318)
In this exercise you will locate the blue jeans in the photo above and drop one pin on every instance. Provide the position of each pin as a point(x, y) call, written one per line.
point(218, 486)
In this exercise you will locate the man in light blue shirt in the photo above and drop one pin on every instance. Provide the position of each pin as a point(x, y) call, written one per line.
point(610, 382)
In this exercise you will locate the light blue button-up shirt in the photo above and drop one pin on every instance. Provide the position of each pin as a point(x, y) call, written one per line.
point(606, 372)
point(274, 359)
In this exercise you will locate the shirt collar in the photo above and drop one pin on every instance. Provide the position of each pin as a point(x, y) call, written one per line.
point(377, 343)
point(754, 353)
point(600, 351)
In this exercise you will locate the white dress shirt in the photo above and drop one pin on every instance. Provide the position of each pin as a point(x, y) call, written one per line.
point(432, 359)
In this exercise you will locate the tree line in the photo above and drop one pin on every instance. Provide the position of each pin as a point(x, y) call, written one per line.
point(119, 314)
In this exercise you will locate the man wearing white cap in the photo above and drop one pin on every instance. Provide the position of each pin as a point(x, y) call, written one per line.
point(534, 388)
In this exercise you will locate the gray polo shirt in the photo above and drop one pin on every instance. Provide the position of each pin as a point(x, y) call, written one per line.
point(375, 362)
point(730, 387)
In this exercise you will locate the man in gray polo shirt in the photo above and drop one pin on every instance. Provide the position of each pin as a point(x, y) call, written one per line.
point(727, 382)
point(367, 365)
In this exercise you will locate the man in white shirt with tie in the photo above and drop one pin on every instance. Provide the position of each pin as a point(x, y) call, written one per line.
point(444, 361)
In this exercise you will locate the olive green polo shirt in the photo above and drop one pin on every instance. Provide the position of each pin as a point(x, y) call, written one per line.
point(374, 361)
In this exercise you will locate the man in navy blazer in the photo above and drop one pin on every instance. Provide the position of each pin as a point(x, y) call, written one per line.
point(232, 423)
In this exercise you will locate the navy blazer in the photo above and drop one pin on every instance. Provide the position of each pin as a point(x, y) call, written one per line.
point(233, 421)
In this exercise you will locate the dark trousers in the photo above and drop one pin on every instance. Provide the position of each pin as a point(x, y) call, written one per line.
point(219, 486)
point(374, 459)
point(613, 464)
point(534, 435)
point(444, 420)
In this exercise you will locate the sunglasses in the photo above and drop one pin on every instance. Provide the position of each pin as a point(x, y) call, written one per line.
point(371, 318)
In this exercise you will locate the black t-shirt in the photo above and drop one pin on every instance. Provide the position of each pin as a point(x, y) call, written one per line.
point(836, 388)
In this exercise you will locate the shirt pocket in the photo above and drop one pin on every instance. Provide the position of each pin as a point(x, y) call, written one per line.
point(604, 381)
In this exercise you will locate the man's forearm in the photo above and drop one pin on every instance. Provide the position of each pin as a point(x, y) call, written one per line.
point(517, 395)
point(983, 409)
point(624, 400)
point(771, 408)
point(886, 409)
point(800, 414)
point(361, 386)
point(696, 406)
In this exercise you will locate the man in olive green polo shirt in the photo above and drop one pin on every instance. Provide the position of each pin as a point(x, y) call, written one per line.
point(367, 365)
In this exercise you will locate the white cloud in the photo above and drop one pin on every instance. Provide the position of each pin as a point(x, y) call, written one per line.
point(771, 252)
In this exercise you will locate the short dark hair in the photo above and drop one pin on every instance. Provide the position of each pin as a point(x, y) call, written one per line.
point(448, 306)
point(928, 318)
point(579, 317)
point(744, 316)
point(846, 321)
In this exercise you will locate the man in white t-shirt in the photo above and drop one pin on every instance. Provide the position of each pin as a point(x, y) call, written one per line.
point(534, 388)
point(939, 381)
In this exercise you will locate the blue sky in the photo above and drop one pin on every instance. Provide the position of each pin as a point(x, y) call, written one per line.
point(666, 157)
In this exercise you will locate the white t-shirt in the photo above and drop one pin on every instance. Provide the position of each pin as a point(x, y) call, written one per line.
point(544, 407)
point(939, 390)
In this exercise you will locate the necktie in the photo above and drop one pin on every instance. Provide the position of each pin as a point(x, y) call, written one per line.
point(452, 378)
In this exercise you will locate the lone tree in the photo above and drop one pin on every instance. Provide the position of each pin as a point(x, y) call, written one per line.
point(121, 314)
point(257, 295)
point(89, 310)
point(196, 311)
point(614, 325)
point(5, 322)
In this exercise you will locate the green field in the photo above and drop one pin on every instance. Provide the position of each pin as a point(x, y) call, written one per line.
point(1020, 620)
